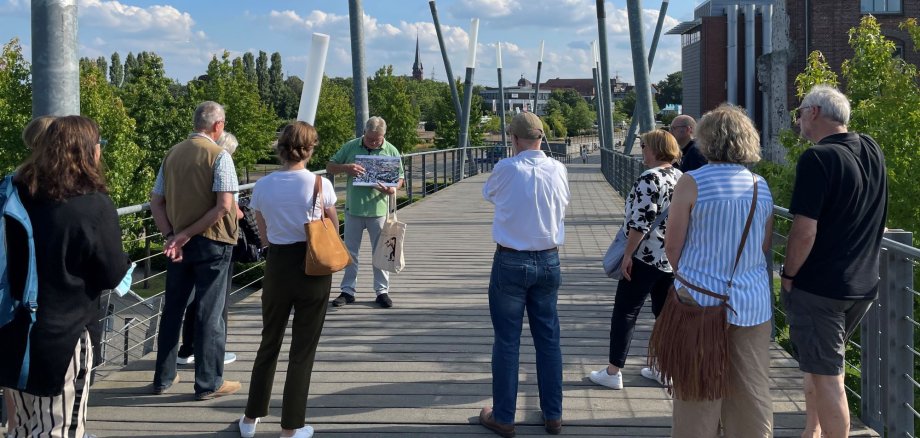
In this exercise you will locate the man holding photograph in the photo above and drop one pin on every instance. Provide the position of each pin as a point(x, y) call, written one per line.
point(365, 206)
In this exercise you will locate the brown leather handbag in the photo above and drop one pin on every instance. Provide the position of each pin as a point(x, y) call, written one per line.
point(326, 253)
point(689, 343)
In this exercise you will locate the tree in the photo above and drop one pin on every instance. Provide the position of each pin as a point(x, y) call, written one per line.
point(290, 97)
point(670, 89)
point(424, 95)
point(161, 120)
point(98, 100)
point(262, 76)
point(628, 104)
point(15, 105)
point(276, 86)
point(249, 65)
point(102, 64)
point(334, 121)
point(116, 70)
point(130, 65)
point(388, 97)
point(447, 127)
point(572, 114)
point(251, 121)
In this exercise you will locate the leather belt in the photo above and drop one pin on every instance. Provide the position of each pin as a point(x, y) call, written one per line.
point(498, 247)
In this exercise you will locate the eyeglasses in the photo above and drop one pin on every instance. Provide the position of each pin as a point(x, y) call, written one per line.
point(642, 145)
point(103, 143)
point(798, 111)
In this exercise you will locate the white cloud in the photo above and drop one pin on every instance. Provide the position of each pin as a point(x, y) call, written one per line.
point(18, 7)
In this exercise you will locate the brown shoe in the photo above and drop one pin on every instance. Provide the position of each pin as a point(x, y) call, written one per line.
point(157, 390)
point(553, 427)
point(486, 419)
point(227, 388)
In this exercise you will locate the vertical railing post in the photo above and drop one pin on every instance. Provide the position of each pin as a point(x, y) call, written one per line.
point(108, 326)
point(409, 185)
point(127, 329)
point(424, 176)
point(897, 304)
point(871, 363)
point(147, 267)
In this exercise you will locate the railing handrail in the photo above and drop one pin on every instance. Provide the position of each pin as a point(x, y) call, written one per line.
point(138, 208)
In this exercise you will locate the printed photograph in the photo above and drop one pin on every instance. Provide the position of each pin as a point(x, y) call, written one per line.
point(377, 168)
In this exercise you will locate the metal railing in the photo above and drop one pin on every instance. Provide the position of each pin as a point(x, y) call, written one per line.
point(130, 325)
point(885, 382)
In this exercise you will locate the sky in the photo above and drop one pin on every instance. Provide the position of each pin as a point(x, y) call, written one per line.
point(187, 33)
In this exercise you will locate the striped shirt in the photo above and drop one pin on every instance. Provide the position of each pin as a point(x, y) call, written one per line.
point(724, 193)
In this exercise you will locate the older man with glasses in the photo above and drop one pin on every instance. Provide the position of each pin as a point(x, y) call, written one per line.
point(682, 128)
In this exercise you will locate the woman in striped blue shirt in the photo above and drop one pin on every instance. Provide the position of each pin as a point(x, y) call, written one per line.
point(707, 218)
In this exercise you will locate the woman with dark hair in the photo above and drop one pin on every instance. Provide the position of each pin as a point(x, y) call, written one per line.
point(78, 255)
point(283, 202)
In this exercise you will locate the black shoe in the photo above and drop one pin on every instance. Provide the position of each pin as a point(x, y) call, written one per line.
point(343, 299)
point(384, 301)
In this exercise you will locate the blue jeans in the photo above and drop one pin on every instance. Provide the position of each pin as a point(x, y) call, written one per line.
point(354, 232)
point(525, 280)
point(204, 268)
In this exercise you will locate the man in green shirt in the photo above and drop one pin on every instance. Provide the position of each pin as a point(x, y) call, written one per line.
point(365, 206)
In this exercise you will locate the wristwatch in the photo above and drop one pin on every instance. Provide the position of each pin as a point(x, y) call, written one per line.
point(784, 275)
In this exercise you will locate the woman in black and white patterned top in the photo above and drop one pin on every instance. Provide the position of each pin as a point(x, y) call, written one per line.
point(647, 271)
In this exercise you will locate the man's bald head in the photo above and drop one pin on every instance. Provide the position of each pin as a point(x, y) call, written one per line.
point(683, 128)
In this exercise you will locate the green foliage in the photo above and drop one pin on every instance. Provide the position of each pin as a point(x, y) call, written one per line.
point(670, 89)
point(116, 70)
point(424, 95)
point(334, 121)
point(388, 97)
point(627, 105)
point(447, 127)
point(262, 77)
point(161, 119)
point(15, 105)
point(252, 122)
point(568, 113)
point(100, 102)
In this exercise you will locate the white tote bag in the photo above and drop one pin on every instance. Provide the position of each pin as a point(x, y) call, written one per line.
point(388, 255)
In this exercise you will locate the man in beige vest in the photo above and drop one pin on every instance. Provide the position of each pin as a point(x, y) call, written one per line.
point(193, 205)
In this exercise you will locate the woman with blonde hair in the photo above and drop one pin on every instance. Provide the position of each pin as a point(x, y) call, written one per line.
point(717, 242)
point(78, 255)
point(283, 201)
point(645, 267)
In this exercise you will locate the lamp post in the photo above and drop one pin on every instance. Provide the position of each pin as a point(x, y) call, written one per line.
point(463, 138)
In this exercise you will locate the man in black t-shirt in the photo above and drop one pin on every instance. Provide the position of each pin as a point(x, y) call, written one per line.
point(682, 128)
point(840, 202)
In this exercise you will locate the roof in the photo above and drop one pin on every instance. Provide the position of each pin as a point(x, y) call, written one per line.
point(685, 27)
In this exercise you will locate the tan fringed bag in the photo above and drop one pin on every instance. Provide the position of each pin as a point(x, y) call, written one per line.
point(326, 253)
point(689, 343)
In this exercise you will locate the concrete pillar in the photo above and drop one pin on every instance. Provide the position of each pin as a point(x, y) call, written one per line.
point(55, 64)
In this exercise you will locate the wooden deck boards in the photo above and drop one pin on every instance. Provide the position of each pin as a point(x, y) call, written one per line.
point(422, 368)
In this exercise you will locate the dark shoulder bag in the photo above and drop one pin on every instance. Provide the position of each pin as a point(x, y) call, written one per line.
point(689, 343)
point(248, 244)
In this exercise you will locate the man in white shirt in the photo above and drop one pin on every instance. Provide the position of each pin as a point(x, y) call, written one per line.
point(530, 192)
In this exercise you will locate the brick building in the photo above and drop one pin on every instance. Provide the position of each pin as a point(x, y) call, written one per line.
point(785, 30)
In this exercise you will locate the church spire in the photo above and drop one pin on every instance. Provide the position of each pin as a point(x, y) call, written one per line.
point(417, 69)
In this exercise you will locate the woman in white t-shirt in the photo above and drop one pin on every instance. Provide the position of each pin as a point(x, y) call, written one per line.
point(283, 202)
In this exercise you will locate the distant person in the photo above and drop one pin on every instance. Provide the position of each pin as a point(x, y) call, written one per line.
point(704, 244)
point(831, 273)
point(645, 266)
point(683, 128)
point(365, 207)
point(186, 355)
point(193, 205)
point(79, 255)
point(584, 154)
point(530, 192)
point(283, 202)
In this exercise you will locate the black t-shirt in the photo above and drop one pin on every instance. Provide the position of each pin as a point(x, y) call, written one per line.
point(691, 158)
point(841, 183)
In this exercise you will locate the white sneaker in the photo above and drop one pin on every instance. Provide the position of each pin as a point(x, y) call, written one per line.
point(651, 374)
point(303, 432)
point(228, 359)
point(611, 381)
point(248, 430)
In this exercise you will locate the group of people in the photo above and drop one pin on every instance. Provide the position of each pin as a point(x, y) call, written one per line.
point(699, 220)
point(685, 216)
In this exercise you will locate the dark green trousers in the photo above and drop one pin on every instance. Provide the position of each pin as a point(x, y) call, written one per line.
point(286, 287)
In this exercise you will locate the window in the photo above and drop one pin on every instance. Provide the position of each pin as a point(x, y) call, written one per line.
point(880, 6)
point(689, 38)
point(899, 51)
